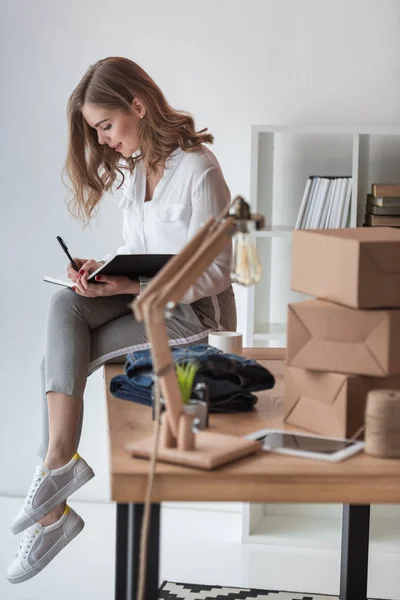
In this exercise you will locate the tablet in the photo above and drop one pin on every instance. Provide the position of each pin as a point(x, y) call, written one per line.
point(306, 445)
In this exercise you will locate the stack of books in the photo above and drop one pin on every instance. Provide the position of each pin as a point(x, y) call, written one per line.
point(326, 203)
point(383, 205)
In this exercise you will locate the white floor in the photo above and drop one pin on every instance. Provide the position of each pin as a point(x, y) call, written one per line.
point(198, 546)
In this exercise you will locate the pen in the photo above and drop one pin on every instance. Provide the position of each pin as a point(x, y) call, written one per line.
point(64, 247)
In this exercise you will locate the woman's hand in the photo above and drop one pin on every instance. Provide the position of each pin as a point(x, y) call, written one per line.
point(108, 286)
point(72, 274)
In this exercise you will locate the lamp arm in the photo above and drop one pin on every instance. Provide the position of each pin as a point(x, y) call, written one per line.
point(163, 363)
point(170, 284)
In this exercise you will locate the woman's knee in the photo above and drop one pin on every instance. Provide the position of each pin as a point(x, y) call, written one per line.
point(65, 300)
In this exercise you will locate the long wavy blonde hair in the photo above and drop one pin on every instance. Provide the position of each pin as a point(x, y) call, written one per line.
point(92, 168)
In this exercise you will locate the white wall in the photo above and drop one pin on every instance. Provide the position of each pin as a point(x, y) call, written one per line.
point(232, 63)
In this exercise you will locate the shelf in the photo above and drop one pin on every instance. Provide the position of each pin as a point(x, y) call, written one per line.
point(296, 531)
point(275, 231)
point(300, 531)
point(282, 159)
point(329, 129)
point(271, 331)
point(270, 336)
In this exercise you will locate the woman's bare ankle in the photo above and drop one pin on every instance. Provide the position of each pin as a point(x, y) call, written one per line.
point(57, 458)
point(54, 516)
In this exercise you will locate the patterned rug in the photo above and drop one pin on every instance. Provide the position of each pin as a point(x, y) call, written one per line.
point(190, 591)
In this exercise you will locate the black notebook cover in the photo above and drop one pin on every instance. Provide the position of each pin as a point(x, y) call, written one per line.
point(132, 265)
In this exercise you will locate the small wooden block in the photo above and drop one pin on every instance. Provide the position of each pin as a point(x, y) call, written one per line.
point(211, 450)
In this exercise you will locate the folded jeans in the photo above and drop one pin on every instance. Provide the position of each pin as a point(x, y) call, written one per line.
point(230, 379)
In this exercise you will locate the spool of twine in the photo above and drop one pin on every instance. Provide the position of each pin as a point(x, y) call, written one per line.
point(382, 423)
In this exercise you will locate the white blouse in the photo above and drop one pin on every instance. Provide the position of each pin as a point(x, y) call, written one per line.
point(191, 190)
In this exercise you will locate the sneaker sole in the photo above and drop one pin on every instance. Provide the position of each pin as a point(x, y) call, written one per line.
point(52, 553)
point(51, 504)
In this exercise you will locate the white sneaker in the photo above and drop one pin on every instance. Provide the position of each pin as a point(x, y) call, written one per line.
point(49, 488)
point(41, 544)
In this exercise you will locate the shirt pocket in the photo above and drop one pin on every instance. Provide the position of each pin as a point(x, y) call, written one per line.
point(173, 212)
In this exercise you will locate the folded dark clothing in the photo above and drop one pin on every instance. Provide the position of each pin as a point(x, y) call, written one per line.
point(230, 378)
point(124, 388)
point(140, 362)
point(240, 402)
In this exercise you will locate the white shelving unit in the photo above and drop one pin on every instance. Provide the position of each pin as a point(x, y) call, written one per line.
point(282, 158)
point(310, 535)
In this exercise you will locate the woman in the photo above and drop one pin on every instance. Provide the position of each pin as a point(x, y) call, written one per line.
point(120, 125)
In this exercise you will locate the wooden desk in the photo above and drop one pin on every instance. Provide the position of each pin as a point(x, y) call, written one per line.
point(355, 483)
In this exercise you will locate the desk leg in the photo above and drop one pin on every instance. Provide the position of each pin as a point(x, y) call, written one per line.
point(129, 523)
point(135, 515)
point(121, 552)
point(354, 559)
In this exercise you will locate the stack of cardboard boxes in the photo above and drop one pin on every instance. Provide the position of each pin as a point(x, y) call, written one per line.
point(345, 342)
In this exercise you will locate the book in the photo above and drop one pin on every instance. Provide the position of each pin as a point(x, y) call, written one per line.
point(347, 203)
point(320, 202)
point(382, 221)
point(332, 195)
point(383, 210)
point(303, 203)
point(386, 189)
point(337, 200)
point(315, 203)
point(62, 282)
point(341, 204)
point(383, 200)
point(125, 265)
point(310, 200)
point(327, 204)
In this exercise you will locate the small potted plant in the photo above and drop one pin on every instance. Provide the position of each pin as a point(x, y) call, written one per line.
point(194, 407)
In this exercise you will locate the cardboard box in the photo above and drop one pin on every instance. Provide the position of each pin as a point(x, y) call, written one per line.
point(329, 403)
point(357, 267)
point(329, 337)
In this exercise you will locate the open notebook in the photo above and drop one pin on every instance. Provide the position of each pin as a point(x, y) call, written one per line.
point(125, 265)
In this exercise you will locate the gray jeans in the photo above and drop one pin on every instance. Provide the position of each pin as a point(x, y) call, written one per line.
point(85, 333)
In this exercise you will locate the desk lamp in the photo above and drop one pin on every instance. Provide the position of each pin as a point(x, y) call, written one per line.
point(179, 443)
